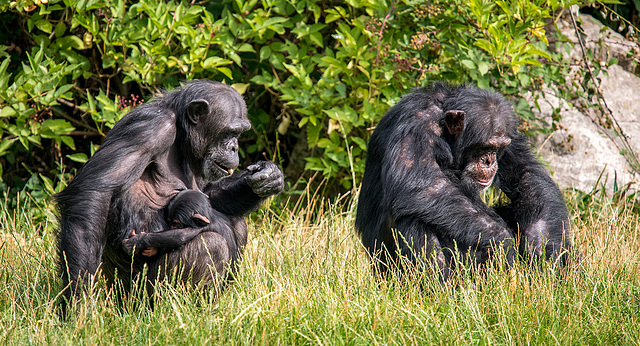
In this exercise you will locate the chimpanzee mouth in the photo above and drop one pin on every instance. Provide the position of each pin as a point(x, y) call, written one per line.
point(223, 169)
point(485, 183)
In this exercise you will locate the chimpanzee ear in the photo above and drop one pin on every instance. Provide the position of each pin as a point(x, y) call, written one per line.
point(196, 109)
point(455, 123)
point(200, 219)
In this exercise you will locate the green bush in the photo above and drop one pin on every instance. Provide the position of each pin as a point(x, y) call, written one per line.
point(317, 75)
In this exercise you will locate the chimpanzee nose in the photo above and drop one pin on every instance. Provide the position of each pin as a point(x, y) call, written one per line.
point(488, 159)
point(232, 146)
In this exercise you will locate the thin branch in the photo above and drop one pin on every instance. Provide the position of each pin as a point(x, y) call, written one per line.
point(85, 133)
point(384, 23)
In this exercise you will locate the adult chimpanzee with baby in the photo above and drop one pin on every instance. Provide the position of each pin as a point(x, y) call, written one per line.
point(429, 159)
point(185, 139)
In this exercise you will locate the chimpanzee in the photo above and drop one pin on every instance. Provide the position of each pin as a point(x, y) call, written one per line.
point(188, 214)
point(185, 139)
point(429, 159)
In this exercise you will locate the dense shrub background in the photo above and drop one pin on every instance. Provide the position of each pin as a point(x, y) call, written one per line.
point(317, 75)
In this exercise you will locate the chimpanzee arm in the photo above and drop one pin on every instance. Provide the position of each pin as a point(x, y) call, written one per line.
point(415, 185)
point(84, 205)
point(537, 206)
point(176, 238)
point(169, 239)
point(244, 192)
point(131, 145)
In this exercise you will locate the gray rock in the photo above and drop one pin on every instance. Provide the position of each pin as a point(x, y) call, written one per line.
point(604, 42)
point(621, 90)
point(582, 153)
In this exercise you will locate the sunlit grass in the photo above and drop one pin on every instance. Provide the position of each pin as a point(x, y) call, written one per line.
point(306, 279)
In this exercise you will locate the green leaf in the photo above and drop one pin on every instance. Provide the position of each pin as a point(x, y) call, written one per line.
point(532, 49)
point(5, 144)
point(483, 67)
point(316, 38)
point(78, 157)
point(7, 111)
point(313, 133)
point(69, 142)
point(468, 64)
point(44, 25)
point(486, 45)
point(245, 47)
point(277, 46)
point(70, 41)
point(60, 29)
point(214, 61)
point(241, 88)
point(57, 126)
point(226, 71)
point(92, 103)
point(274, 20)
point(63, 89)
point(182, 30)
point(265, 52)
point(48, 184)
point(360, 142)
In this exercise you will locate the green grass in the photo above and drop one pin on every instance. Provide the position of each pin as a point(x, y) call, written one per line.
point(305, 279)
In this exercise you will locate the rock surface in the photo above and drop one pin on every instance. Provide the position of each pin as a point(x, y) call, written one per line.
point(601, 40)
point(582, 154)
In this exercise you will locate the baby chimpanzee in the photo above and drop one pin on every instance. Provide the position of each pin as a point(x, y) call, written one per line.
point(188, 214)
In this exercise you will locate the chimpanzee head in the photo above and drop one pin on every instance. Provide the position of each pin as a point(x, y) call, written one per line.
point(479, 125)
point(210, 118)
point(189, 208)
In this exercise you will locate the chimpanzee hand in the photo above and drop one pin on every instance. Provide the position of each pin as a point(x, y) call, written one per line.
point(482, 253)
point(265, 179)
point(131, 244)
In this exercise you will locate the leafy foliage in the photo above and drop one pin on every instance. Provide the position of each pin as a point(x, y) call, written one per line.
point(317, 75)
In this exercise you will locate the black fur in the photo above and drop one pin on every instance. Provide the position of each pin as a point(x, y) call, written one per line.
point(418, 181)
point(188, 214)
point(185, 139)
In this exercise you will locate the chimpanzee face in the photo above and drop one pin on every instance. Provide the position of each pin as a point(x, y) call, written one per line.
point(216, 125)
point(481, 162)
point(222, 155)
point(478, 137)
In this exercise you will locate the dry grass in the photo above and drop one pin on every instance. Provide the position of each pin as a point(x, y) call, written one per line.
point(305, 279)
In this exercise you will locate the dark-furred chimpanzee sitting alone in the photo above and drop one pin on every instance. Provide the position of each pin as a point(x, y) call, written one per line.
point(429, 159)
point(188, 214)
point(185, 139)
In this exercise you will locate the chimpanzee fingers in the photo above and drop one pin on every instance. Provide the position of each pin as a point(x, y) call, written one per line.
point(256, 166)
point(260, 165)
point(258, 177)
point(271, 188)
point(128, 246)
point(266, 180)
point(253, 168)
point(267, 187)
